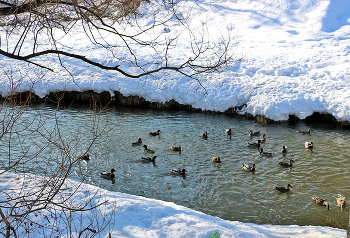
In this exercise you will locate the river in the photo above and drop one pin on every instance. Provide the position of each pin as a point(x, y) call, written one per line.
point(219, 189)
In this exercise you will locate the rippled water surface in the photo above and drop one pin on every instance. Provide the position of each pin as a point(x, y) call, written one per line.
point(219, 189)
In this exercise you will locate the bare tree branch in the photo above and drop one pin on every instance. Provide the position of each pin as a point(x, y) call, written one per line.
point(35, 23)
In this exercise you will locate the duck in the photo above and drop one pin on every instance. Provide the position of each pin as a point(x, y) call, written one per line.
point(305, 132)
point(248, 168)
point(252, 133)
point(108, 175)
point(309, 144)
point(321, 201)
point(253, 144)
point(84, 157)
point(175, 148)
point(284, 149)
point(147, 150)
point(341, 202)
point(263, 140)
point(228, 131)
point(204, 134)
point(216, 159)
point(156, 133)
point(283, 189)
point(264, 153)
point(285, 164)
point(179, 171)
point(138, 142)
point(147, 159)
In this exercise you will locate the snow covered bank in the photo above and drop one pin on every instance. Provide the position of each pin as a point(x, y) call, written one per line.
point(133, 216)
point(136, 101)
point(296, 57)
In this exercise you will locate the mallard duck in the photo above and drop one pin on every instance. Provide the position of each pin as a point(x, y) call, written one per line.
point(341, 202)
point(321, 201)
point(285, 164)
point(138, 142)
point(228, 131)
point(179, 171)
point(154, 133)
point(175, 148)
point(216, 159)
point(264, 153)
point(253, 144)
point(248, 168)
point(108, 175)
point(204, 134)
point(84, 157)
point(309, 144)
point(283, 189)
point(252, 133)
point(305, 132)
point(263, 140)
point(284, 149)
point(147, 159)
point(147, 150)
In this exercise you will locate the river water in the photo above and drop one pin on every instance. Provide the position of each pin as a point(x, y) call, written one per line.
point(219, 189)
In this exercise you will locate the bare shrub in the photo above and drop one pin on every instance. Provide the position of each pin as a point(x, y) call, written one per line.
point(47, 202)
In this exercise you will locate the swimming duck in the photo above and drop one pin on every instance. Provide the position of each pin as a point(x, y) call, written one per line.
point(147, 150)
point(284, 149)
point(179, 171)
point(108, 175)
point(285, 164)
point(321, 201)
point(228, 131)
point(264, 153)
point(175, 148)
point(138, 142)
point(204, 134)
point(248, 168)
point(283, 189)
point(341, 202)
point(84, 157)
point(254, 133)
point(154, 133)
point(147, 159)
point(305, 132)
point(253, 144)
point(216, 159)
point(263, 140)
point(309, 144)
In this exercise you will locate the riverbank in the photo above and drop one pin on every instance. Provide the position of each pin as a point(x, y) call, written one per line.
point(105, 98)
point(134, 216)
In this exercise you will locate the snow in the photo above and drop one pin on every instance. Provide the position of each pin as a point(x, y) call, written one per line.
point(295, 61)
point(134, 216)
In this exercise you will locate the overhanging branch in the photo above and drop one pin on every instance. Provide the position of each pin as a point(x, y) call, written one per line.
point(83, 58)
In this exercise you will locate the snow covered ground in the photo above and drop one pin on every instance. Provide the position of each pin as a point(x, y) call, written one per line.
point(133, 216)
point(296, 61)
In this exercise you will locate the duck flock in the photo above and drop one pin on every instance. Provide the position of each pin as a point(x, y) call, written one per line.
point(340, 201)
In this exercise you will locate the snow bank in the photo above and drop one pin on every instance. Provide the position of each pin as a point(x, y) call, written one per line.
point(133, 216)
point(296, 62)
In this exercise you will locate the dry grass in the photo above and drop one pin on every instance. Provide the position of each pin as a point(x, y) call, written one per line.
point(114, 9)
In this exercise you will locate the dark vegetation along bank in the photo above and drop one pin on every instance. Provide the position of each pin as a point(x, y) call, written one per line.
point(105, 98)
